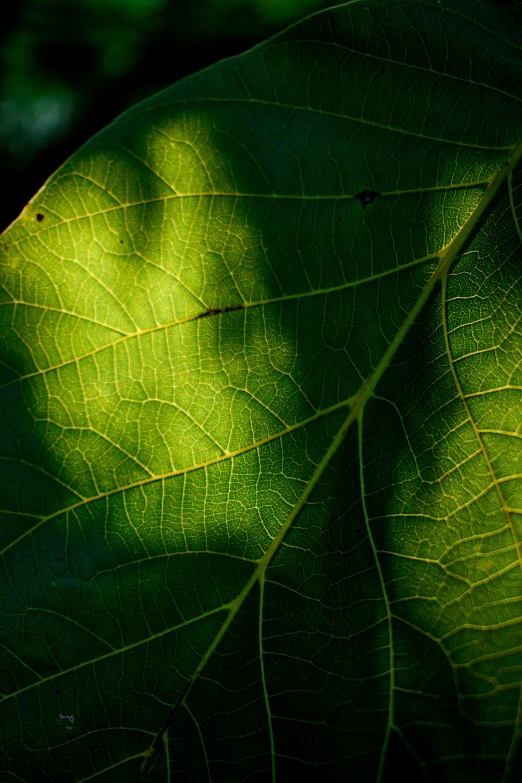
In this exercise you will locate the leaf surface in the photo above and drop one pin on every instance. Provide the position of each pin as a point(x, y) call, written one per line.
point(261, 419)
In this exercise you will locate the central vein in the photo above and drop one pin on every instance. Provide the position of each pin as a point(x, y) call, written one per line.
point(447, 256)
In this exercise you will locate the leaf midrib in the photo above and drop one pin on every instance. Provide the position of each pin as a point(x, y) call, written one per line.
point(447, 259)
point(356, 408)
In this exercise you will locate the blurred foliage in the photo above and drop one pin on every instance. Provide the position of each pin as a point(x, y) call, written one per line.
point(69, 68)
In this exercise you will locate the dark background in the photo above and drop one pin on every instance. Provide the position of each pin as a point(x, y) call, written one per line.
point(69, 67)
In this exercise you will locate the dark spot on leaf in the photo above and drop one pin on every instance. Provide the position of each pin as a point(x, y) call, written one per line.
point(218, 311)
point(56, 693)
point(39, 217)
point(382, 70)
point(121, 241)
point(366, 197)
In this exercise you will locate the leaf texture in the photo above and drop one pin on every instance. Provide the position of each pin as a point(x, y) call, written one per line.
point(261, 419)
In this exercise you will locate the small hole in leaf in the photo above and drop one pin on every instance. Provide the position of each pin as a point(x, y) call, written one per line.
point(39, 217)
point(382, 70)
point(366, 197)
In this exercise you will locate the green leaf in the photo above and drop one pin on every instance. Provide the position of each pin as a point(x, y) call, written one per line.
point(261, 438)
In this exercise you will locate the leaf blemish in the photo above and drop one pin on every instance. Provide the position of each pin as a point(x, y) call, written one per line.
point(218, 311)
point(366, 197)
point(225, 537)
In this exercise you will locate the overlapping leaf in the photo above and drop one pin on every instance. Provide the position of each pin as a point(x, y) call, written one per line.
point(261, 431)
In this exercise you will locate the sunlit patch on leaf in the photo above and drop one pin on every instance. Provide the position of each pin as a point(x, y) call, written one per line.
point(261, 474)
